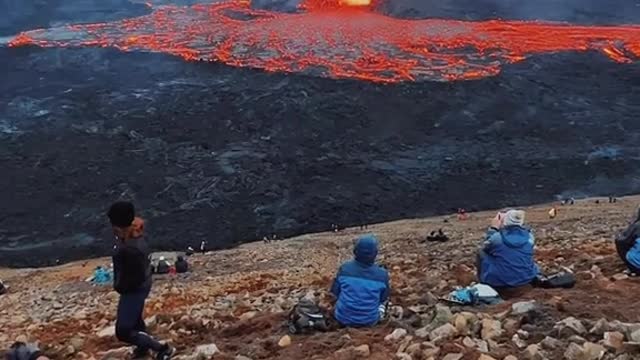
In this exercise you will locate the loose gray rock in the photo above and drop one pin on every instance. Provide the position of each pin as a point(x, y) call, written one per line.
point(569, 326)
point(523, 307)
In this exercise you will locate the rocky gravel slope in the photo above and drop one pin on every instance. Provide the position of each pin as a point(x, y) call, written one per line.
point(234, 303)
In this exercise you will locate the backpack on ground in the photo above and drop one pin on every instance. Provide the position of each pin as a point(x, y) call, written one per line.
point(306, 317)
point(562, 279)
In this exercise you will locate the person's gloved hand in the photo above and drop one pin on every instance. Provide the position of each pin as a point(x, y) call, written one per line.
point(496, 222)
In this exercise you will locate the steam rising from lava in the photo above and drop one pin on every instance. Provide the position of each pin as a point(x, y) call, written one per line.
point(332, 39)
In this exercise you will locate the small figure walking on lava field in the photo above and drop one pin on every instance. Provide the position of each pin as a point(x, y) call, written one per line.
point(203, 247)
point(613, 200)
point(462, 214)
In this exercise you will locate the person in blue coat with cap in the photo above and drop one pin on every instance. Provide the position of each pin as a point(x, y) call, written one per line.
point(361, 287)
point(506, 259)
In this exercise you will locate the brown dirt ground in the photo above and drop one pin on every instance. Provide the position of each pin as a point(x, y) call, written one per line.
point(580, 237)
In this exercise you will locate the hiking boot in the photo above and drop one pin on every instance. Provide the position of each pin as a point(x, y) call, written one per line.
point(166, 353)
point(630, 273)
point(139, 353)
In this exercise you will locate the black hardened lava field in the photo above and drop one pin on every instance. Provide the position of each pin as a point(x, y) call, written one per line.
point(227, 121)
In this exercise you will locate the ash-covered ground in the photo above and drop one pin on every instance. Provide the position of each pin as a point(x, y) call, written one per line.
point(227, 155)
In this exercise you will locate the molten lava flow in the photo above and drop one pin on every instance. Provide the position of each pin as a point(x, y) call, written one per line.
point(327, 40)
point(316, 5)
point(355, 2)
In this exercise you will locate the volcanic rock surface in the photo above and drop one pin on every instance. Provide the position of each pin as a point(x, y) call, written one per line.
point(236, 301)
point(227, 155)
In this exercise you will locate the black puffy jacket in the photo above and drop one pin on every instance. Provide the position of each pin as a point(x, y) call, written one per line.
point(131, 266)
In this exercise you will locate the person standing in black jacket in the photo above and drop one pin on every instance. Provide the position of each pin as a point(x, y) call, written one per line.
point(132, 280)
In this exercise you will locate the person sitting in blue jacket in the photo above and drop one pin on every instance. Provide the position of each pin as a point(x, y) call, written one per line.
point(628, 246)
point(506, 259)
point(361, 287)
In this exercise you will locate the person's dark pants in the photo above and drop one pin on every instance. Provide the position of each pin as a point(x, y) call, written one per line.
point(623, 249)
point(481, 255)
point(130, 326)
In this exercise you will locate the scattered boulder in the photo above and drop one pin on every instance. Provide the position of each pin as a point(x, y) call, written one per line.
point(429, 299)
point(284, 341)
point(613, 340)
point(115, 354)
point(465, 322)
point(518, 342)
point(453, 356)
point(491, 329)
point(423, 333)
point(362, 351)
point(619, 277)
point(589, 351)
point(569, 326)
point(430, 350)
point(533, 352)
point(396, 313)
point(549, 343)
point(109, 331)
point(69, 351)
point(573, 352)
point(442, 315)
point(593, 351)
point(577, 339)
point(624, 357)
point(635, 336)
point(151, 321)
point(77, 342)
point(600, 327)
point(485, 357)
point(205, 352)
point(396, 335)
point(523, 307)
point(631, 347)
point(444, 332)
point(248, 315)
point(414, 350)
point(511, 325)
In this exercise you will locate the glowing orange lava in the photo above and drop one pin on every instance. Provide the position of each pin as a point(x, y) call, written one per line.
point(323, 5)
point(341, 43)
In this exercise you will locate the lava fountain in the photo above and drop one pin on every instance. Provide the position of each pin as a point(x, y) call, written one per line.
point(341, 39)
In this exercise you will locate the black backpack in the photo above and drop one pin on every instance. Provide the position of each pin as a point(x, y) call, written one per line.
point(306, 317)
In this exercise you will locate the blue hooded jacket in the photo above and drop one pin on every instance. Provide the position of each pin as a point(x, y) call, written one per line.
point(633, 255)
point(361, 286)
point(507, 258)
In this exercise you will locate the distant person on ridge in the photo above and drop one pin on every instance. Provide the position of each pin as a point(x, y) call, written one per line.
point(628, 246)
point(361, 287)
point(506, 259)
point(182, 266)
point(163, 266)
point(132, 280)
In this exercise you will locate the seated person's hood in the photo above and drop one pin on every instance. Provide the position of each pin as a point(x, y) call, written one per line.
point(366, 250)
point(515, 236)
